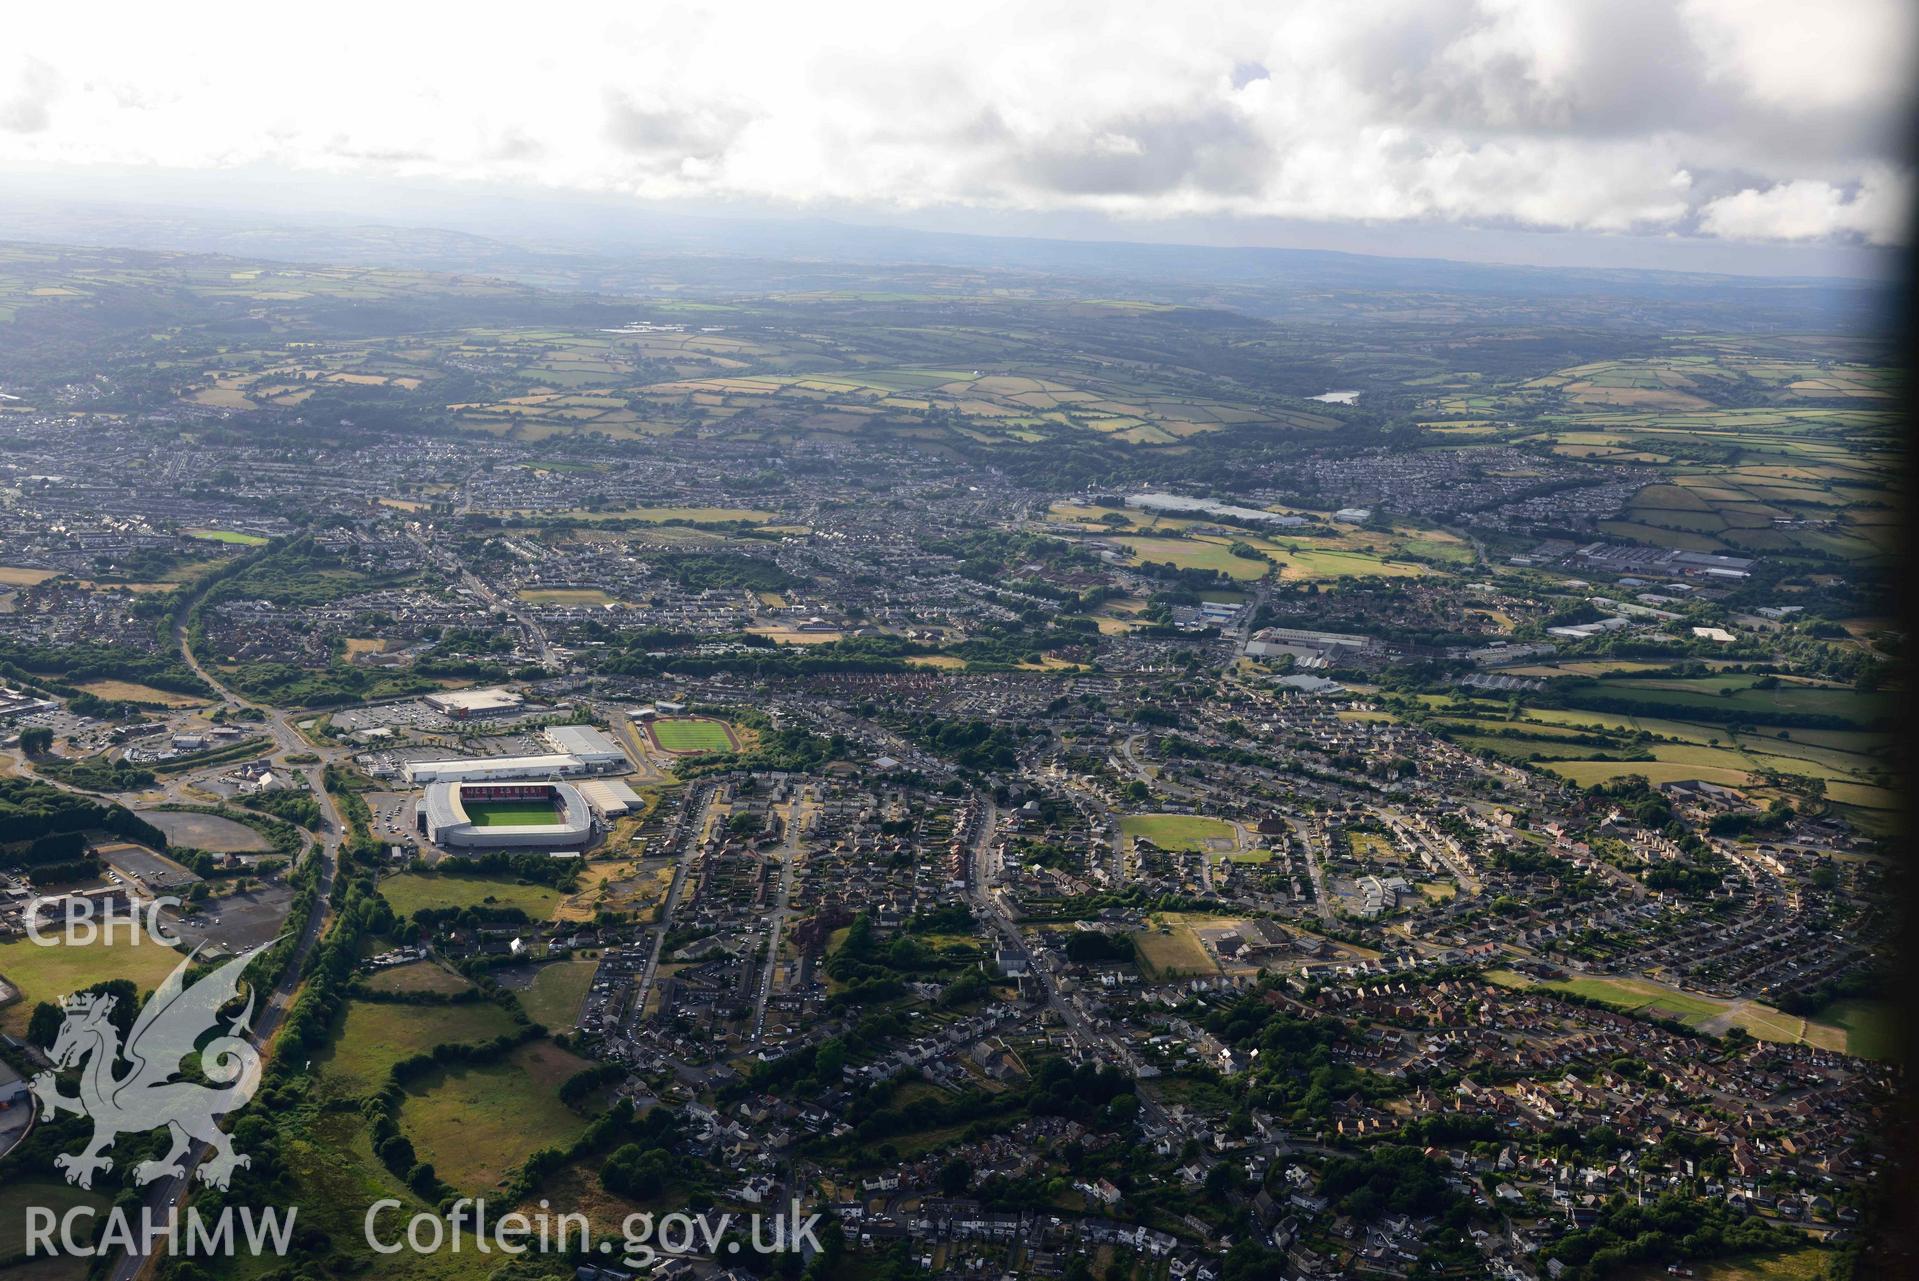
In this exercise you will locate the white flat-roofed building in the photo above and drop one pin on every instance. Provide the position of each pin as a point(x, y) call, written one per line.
point(611, 797)
point(592, 746)
point(462, 703)
point(498, 767)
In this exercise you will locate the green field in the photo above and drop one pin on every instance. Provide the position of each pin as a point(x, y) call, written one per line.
point(565, 596)
point(1197, 553)
point(751, 514)
point(1313, 562)
point(476, 1123)
point(420, 976)
point(1808, 1264)
point(49, 973)
point(1176, 831)
point(336, 1177)
point(1734, 693)
point(408, 892)
point(557, 993)
point(1169, 948)
point(375, 1035)
point(228, 536)
point(1872, 1027)
point(690, 734)
point(1851, 761)
point(1704, 1012)
point(511, 814)
point(22, 1192)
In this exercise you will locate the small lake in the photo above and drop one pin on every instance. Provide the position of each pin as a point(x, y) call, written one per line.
point(1336, 397)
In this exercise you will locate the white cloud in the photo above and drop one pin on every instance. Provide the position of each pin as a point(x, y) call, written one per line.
point(1738, 118)
point(26, 102)
point(1877, 211)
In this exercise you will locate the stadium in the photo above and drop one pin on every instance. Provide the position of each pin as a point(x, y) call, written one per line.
point(500, 816)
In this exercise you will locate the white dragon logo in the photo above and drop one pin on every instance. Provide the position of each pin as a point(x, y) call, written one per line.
point(147, 1097)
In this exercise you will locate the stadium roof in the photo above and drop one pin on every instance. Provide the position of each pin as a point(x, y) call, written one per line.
point(494, 767)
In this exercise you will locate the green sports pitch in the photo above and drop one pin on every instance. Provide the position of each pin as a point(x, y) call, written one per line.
point(691, 734)
point(511, 814)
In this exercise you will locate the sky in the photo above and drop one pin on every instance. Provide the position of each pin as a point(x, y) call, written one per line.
point(1747, 131)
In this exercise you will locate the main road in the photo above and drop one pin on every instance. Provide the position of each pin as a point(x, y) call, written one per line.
point(171, 1191)
point(986, 906)
point(776, 925)
point(692, 825)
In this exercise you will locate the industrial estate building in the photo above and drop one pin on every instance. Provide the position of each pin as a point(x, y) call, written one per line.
point(592, 747)
point(493, 769)
point(611, 797)
point(462, 704)
point(578, 749)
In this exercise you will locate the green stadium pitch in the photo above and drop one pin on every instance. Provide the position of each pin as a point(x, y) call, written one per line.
point(511, 814)
point(687, 735)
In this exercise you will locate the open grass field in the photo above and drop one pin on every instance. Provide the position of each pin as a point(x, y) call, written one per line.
point(1812, 1263)
point(1709, 1014)
point(18, 576)
point(948, 662)
point(375, 1035)
point(1737, 692)
point(227, 536)
point(1586, 773)
point(684, 735)
point(1872, 1027)
point(22, 1192)
point(1178, 831)
point(408, 892)
point(558, 991)
point(1689, 739)
point(565, 596)
point(476, 1123)
point(335, 1178)
point(1197, 553)
point(511, 814)
point(49, 973)
point(1371, 845)
point(577, 1186)
point(615, 886)
point(703, 514)
point(420, 976)
point(1309, 563)
point(1172, 950)
point(129, 692)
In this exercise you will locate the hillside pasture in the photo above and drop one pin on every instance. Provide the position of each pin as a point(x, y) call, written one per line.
point(374, 1035)
point(408, 892)
point(476, 1122)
